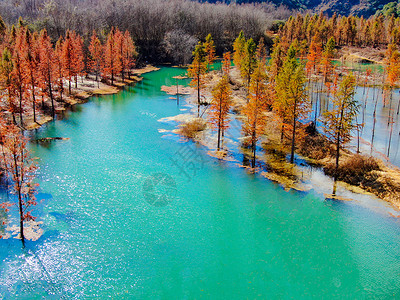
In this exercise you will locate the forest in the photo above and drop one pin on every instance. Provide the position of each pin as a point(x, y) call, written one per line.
point(179, 149)
point(35, 76)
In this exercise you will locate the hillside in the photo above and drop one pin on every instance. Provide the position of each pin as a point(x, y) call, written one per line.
point(358, 7)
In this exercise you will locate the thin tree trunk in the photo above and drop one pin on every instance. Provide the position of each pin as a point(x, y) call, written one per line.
point(219, 124)
point(390, 136)
point(21, 214)
point(198, 96)
point(294, 131)
point(20, 106)
point(177, 92)
point(33, 100)
point(52, 99)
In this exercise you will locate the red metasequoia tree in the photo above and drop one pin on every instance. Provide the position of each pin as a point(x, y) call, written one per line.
point(20, 169)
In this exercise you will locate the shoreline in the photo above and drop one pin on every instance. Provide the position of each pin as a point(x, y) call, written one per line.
point(87, 87)
point(81, 95)
point(383, 183)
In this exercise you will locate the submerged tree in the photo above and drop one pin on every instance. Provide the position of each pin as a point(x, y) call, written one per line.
point(196, 71)
point(20, 169)
point(220, 106)
point(339, 121)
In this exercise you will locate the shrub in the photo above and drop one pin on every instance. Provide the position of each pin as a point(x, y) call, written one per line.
point(354, 170)
point(315, 146)
point(192, 128)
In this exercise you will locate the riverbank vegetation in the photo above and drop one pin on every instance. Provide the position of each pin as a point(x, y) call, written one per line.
point(38, 79)
point(307, 97)
point(289, 89)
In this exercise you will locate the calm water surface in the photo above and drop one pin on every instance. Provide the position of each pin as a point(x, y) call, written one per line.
point(225, 234)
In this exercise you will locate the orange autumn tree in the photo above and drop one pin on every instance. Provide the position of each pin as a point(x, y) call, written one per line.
point(197, 70)
point(96, 56)
point(17, 37)
point(119, 46)
point(72, 57)
point(276, 62)
point(77, 57)
point(128, 55)
point(314, 56)
point(226, 63)
point(67, 58)
point(254, 110)
point(209, 49)
point(261, 55)
point(47, 65)
point(19, 169)
point(111, 65)
point(327, 59)
point(392, 63)
point(30, 64)
point(59, 66)
point(125, 52)
point(220, 106)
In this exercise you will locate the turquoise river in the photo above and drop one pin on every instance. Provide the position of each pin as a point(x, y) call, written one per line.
point(219, 232)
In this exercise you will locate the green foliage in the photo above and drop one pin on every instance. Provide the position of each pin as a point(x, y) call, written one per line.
point(329, 49)
point(339, 121)
point(238, 49)
point(249, 60)
point(390, 9)
point(291, 102)
point(6, 66)
point(209, 49)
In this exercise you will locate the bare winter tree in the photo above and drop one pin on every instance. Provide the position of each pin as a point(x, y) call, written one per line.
point(150, 22)
point(178, 46)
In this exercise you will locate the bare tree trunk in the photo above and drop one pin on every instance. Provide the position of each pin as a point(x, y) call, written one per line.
point(21, 213)
point(294, 131)
point(198, 96)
